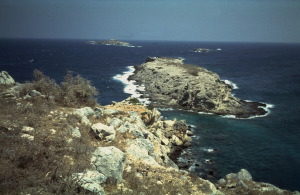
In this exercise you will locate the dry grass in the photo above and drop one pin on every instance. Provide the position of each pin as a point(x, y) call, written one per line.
point(143, 179)
point(43, 165)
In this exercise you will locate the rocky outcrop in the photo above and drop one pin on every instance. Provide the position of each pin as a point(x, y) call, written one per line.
point(104, 132)
point(110, 42)
point(109, 161)
point(6, 79)
point(91, 180)
point(171, 83)
point(242, 183)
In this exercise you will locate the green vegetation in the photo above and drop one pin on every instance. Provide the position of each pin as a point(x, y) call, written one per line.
point(135, 101)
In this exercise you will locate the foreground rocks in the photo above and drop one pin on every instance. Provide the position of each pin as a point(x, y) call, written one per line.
point(171, 83)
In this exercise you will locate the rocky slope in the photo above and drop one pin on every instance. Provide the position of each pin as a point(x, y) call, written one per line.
point(171, 83)
point(122, 148)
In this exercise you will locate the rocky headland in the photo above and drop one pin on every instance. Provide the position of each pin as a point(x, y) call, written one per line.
point(111, 42)
point(169, 82)
point(122, 148)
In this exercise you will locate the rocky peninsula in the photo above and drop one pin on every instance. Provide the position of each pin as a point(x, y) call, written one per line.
point(169, 82)
point(72, 145)
point(113, 42)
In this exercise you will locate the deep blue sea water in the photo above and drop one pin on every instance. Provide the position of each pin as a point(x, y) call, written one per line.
point(269, 147)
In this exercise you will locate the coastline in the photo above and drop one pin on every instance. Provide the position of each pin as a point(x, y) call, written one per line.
point(137, 90)
point(133, 138)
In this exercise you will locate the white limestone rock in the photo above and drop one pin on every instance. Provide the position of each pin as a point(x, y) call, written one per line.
point(6, 79)
point(110, 161)
point(104, 132)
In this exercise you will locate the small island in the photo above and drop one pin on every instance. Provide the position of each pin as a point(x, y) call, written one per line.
point(171, 83)
point(113, 42)
point(201, 50)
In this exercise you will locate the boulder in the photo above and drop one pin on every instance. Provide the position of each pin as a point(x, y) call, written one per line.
point(6, 79)
point(104, 132)
point(75, 132)
point(134, 129)
point(90, 180)
point(244, 175)
point(28, 130)
point(115, 122)
point(86, 111)
point(142, 149)
point(109, 161)
point(27, 136)
point(34, 93)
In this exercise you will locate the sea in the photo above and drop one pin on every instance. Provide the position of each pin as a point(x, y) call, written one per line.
point(268, 147)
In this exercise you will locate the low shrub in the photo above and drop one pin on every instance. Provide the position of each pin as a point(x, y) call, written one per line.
point(77, 91)
point(134, 101)
point(74, 91)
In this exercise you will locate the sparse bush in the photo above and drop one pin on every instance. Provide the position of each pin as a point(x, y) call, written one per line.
point(150, 106)
point(134, 101)
point(77, 91)
point(73, 91)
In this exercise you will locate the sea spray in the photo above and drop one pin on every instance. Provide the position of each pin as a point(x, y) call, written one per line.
point(130, 86)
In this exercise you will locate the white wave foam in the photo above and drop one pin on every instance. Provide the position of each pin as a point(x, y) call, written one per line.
point(232, 84)
point(133, 46)
point(130, 86)
point(207, 113)
point(208, 150)
point(166, 109)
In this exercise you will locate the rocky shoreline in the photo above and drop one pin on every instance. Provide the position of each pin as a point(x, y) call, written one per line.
point(169, 82)
point(122, 148)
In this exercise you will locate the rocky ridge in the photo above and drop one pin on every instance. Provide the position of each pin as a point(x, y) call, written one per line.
point(171, 83)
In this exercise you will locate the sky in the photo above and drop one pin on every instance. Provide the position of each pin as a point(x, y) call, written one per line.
point(173, 20)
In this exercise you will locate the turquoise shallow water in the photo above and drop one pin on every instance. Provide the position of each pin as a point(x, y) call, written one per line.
point(268, 147)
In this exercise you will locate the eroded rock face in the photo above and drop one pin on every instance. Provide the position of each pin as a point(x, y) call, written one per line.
point(109, 161)
point(6, 79)
point(171, 83)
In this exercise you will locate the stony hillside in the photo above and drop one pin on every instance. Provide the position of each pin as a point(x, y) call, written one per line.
point(75, 146)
